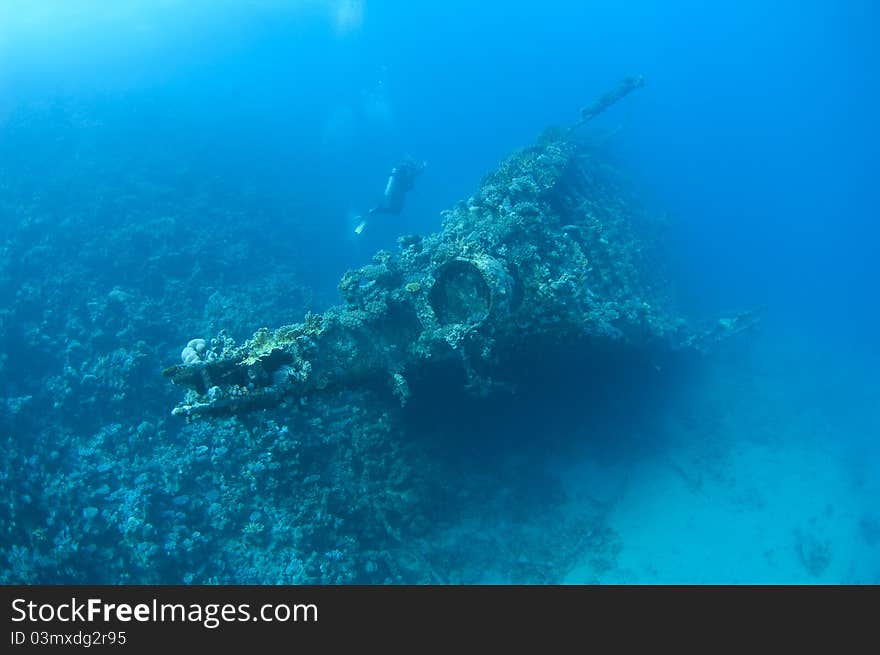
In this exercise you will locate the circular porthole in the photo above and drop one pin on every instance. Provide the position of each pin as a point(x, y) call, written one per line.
point(467, 291)
point(460, 294)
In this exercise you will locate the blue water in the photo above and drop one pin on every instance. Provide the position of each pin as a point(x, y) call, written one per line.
point(172, 169)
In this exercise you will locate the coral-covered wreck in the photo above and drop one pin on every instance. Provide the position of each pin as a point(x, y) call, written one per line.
point(548, 254)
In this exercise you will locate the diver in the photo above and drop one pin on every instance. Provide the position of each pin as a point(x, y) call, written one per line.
point(401, 180)
point(626, 85)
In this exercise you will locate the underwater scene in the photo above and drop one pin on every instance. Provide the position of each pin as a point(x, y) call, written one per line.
point(441, 292)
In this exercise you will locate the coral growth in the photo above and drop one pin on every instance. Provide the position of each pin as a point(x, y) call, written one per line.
point(545, 252)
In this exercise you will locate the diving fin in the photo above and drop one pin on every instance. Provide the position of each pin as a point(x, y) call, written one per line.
point(360, 227)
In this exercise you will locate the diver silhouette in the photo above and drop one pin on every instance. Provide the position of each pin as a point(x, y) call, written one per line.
point(626, 86)
point(400, 181)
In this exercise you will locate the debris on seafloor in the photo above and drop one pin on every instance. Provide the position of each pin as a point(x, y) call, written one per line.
point(545, 254)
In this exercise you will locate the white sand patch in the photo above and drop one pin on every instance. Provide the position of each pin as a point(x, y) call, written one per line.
point(786, 512)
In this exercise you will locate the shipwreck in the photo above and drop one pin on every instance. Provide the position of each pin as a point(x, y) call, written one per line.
point(548, 253)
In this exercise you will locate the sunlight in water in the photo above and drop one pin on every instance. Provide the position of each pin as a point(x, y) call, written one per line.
point(348, 15)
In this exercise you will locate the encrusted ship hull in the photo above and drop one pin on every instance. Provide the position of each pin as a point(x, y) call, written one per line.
point(548, 252)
